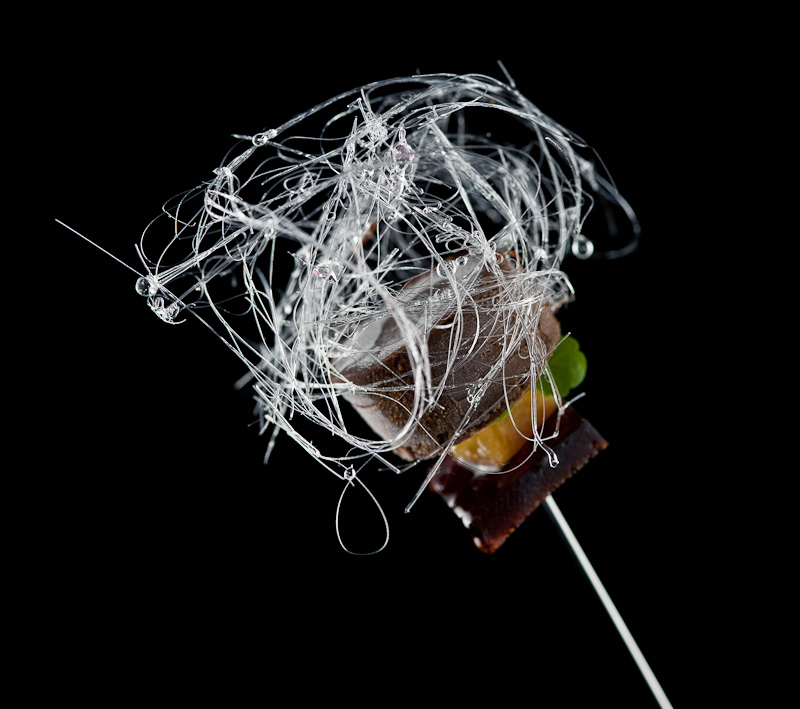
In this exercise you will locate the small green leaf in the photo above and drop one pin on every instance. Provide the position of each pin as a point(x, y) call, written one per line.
point(567, 368)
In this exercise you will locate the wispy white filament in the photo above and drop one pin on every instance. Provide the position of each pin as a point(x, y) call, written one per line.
point(318, 227)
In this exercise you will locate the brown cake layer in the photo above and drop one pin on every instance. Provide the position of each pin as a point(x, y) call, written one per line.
point(389, 372)
point(493, 506)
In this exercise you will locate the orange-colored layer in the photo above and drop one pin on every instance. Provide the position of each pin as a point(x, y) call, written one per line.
point(496, 444)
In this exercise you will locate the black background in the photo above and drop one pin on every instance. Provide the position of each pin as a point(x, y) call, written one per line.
point(165, 546)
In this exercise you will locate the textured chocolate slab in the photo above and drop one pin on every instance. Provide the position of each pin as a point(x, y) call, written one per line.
point(493, 506)
point(381, 362)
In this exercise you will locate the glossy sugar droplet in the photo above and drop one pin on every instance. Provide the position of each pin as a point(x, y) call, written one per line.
point(145, 286)
point(263, 138)
point(327, 271)
point(582, 247)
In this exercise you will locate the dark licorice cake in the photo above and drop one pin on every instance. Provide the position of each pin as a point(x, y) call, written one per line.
point(493, 506)
point(380, 360)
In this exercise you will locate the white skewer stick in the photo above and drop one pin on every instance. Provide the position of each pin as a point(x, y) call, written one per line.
point(622, 629)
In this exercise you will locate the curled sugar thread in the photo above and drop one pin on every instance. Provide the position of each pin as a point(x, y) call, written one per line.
point(324, 230)
point(351, 478)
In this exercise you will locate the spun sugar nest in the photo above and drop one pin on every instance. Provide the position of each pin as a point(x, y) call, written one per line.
point(391, 203)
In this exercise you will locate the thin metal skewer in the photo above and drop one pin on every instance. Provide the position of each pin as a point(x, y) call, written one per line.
point(622, 629)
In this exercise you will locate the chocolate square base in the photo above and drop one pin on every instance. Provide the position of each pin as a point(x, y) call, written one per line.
point(493, 506)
